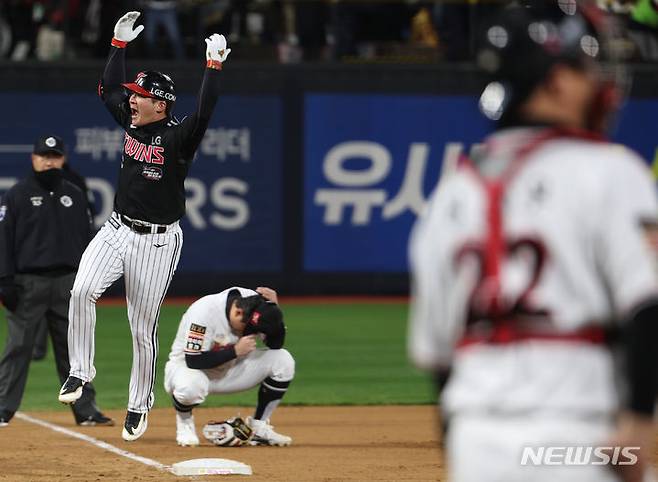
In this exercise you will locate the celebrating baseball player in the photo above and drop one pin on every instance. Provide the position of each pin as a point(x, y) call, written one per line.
point(215, 352)
point(530, 258)
point(142, 239)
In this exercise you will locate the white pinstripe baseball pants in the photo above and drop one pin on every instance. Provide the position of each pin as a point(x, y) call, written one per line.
point(147, 262)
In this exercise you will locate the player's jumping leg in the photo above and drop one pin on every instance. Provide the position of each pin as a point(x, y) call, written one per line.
point(100, 266)
point(150, 263)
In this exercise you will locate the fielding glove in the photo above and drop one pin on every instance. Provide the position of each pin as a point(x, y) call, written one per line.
point(124, 31)
point(216, 51)
point(233, 432)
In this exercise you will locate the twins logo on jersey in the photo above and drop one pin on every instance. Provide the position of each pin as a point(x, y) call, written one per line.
point(141, 152)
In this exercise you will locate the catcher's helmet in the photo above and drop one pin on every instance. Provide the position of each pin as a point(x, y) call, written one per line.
point(153, 84)
point(520, 47)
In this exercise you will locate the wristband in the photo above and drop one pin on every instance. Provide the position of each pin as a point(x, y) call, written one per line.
point(214, 64)
point(119, 43)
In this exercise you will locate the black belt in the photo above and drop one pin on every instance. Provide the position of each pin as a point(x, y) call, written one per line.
point(142, 228)
point(50, 272)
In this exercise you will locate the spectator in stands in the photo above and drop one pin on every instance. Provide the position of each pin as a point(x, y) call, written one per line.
point(457, 23)
point(356, 27)
point(107, 14)
point(24, 17)
point(162, 13)
point(643, 29)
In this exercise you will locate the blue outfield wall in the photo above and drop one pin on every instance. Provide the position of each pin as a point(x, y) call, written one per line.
point(371, 161)
point(287, 195)
point(234, 202)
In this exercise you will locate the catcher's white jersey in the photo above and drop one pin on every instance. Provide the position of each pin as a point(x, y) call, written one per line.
point(520, 262)
point(205, 324)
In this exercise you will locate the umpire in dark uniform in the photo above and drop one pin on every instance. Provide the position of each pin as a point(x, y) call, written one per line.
point(41, 338)
point(45, 225)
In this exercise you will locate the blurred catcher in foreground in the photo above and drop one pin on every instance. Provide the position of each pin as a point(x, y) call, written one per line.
point(215, 352)
point(532, 255)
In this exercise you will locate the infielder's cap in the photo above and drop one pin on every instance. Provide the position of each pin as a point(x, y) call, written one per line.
point(267, 318)
point(153, 84)
point(47, 144)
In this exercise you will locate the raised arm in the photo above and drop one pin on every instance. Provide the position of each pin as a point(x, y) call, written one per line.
point(194, 127)
point(110, 88)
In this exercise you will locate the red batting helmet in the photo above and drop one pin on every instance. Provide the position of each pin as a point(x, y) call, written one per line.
point(153, 84)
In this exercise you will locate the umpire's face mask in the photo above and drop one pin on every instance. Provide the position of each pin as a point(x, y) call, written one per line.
point(49, 179)
point(47, 167)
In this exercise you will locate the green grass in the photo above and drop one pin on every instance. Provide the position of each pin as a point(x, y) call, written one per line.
point(346, 354)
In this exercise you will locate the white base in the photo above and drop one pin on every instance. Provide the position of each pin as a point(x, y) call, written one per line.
point(210, 467)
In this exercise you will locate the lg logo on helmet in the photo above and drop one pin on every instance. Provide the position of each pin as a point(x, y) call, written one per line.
point(162, 94)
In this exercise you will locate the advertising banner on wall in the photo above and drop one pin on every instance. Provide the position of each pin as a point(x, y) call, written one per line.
point(234, 213)
point(371, 162)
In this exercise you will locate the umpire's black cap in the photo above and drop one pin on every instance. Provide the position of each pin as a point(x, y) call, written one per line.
point(49, 144)
point(267, 318)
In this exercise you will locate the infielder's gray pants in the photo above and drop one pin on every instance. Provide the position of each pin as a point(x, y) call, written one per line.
point(39, 297)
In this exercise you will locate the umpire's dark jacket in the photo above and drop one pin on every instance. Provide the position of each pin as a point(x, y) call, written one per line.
point(43, 231)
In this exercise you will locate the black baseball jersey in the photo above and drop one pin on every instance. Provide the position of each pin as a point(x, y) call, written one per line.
point(43, 230)
point(156, 157)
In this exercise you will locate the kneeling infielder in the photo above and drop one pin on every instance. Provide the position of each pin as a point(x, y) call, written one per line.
point(215, 352)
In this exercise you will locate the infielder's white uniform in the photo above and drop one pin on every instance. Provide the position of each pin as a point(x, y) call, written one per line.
point(512, 286)
point(204, 327)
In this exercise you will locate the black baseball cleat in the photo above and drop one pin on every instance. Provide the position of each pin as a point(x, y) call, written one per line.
point(95, 420)
point(134, 426)
point(5, 417)
point(71, 391)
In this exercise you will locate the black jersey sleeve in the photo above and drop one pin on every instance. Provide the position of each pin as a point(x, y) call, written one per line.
point(110, 89)
point(7, 234)
point(193, 128)
point(209, 359)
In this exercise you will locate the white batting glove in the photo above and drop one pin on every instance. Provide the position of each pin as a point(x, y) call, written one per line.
point(216, 50)
point(124, 31)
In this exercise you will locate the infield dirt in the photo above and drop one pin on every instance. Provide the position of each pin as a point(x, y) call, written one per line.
point(371, 443)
